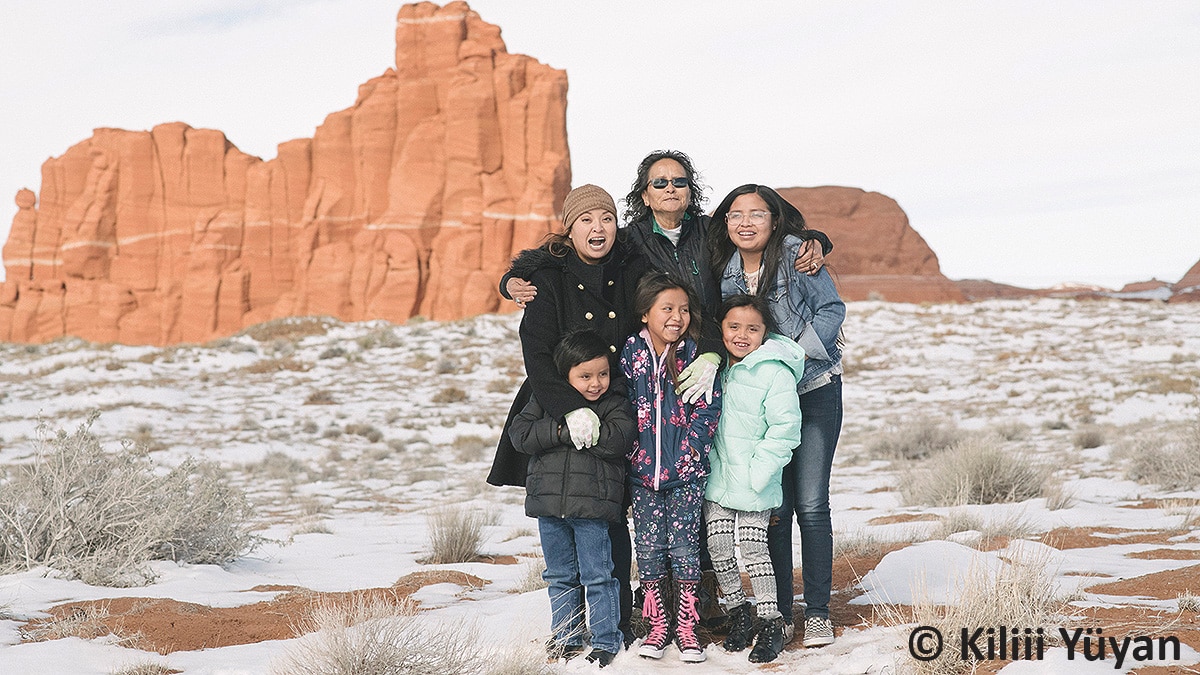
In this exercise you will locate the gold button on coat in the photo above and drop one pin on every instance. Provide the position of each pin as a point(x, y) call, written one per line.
point(612, 348)
point(581, 287)
point(612, 315)
point(588, 316)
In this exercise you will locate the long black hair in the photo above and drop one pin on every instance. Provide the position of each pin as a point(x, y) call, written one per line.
point(648, 288)
point(785, 219)
point(636, 210)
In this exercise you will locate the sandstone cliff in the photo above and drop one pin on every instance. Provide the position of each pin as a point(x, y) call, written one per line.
point(411, 201)
point(877, 254)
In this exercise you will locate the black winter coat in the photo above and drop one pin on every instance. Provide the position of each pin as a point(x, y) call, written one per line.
point(567, 483)
point(572, 295)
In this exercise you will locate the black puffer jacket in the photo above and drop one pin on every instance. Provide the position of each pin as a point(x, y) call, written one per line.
point(567, 483)
point(572, 295)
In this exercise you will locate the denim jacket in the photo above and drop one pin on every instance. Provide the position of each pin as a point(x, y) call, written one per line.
point(806, 309)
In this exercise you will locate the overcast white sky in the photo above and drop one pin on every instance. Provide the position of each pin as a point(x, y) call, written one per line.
point(1029, 142)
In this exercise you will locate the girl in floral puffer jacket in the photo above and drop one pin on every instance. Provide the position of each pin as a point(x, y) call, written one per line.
point(669, 459)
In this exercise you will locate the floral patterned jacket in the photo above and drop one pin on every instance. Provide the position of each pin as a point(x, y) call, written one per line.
point(674, 438)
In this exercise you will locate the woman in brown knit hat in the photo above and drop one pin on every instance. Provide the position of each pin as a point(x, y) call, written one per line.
point(586, 278)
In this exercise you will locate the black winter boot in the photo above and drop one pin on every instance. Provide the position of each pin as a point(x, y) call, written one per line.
point(741, 627)
point(769, 644)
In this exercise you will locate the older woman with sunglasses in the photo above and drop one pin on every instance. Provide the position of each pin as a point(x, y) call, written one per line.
point(666, 223)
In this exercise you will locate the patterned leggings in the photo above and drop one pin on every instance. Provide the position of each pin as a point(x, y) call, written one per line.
point(666, 531)
point(752, 535)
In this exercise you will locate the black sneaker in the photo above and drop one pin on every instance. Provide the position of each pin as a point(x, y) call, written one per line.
point(601, 657)
point(769, 643)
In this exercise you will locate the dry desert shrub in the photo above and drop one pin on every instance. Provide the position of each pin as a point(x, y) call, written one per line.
point(455, 534)
point(449, 395)
point(384, 337)
point(1171, 462)
point(85, 622)
point(365, 430)
point(916, 439)
point(375, 636)
point(532, 579)
point(520, 658)
point(144, 668)
point(100, 516)
point(277, 365)
point(1189, 602)
point(276, 465)
point(1088, 437)
point(290, 328)
point(976, 470)
point(1012, 526)
point(1019, 594)
point(862, 544)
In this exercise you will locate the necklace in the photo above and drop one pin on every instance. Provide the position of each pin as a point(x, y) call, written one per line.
point(752, 279)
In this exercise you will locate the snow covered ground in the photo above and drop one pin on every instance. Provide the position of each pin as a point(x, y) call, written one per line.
point(348, 438)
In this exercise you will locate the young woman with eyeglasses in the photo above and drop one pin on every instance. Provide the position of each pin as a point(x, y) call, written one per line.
point(750, 239)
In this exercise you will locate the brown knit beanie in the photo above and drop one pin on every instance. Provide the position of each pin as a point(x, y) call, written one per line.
point(583, 199)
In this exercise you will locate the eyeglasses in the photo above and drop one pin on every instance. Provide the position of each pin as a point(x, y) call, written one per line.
point(661, 183)
point(754, 217)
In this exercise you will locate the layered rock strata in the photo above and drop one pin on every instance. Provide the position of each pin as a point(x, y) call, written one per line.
point(411, 201)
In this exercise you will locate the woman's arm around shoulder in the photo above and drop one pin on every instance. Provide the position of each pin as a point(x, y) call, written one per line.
point(540, 333)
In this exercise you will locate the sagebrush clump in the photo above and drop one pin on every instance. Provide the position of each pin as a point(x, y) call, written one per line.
point(916, 439)
point(100, 516)
point(977, 470)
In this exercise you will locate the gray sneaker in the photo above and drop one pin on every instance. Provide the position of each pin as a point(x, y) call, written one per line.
point(818, 632)
point(789, 632)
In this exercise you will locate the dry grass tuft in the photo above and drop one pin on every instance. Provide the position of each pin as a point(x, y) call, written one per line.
point(144, 668)
point(449, 395)
point(916, 439)
point(1088, 437)
point(977, 470)
point(1019, 593)
point(532, 579)
point(85, 622)
point(1170, 463)
point(455, 534)
point(1189, 603)
point(290, 328)
point(376, 636)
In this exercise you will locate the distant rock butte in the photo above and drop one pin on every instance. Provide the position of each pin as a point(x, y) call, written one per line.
point(411, 201)
point(877, 254)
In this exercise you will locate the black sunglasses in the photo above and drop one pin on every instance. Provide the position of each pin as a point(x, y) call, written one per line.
point(660, 183)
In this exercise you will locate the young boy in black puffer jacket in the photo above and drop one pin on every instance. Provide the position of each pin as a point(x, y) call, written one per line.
point(575, 487)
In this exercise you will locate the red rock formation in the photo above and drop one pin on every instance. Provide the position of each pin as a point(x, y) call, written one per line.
point(1187, 289)
point(411, 201)
point(877, 253)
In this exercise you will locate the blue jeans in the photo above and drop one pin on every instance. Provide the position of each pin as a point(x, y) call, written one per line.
point(806, 493)
point(579, 560)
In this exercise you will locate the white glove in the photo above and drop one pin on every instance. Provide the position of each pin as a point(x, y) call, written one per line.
point(697, 379)
point(584, 427)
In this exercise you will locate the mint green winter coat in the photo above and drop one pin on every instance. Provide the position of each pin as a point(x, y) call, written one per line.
point(760, 425)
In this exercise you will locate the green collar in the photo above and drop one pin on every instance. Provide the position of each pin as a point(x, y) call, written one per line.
point(658, 230)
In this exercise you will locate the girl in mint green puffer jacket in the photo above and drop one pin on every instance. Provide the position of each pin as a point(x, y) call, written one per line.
point(760, 424)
